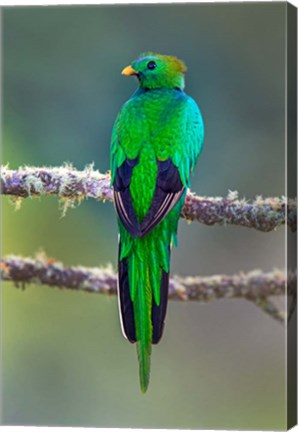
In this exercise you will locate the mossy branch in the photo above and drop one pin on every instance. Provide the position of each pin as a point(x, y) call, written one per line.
point(72, 186)
point(254, 286)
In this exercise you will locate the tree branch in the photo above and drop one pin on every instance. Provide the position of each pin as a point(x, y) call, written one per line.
point(72, 186)
point(254, 286)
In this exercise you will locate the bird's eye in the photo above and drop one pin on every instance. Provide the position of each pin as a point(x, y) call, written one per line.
point(151, 65)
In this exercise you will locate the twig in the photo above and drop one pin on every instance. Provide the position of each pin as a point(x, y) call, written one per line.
point(254, 286)
point(71, 186)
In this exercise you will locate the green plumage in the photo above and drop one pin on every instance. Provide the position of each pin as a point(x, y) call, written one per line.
point(156, 140)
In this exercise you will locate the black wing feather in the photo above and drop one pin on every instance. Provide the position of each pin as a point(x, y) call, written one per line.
point(122, 197)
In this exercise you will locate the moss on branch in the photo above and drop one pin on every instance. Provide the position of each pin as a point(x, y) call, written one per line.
point(72, 186)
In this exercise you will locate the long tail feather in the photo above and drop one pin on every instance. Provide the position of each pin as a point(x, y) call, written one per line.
point(143, 295)
point(142, 312)
point(144, 355)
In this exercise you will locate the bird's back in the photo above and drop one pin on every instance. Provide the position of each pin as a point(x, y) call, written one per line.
point(153, 128)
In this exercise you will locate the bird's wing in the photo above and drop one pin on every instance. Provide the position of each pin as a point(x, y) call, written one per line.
point(122, 197)
point(185, 135)
point(121, 172)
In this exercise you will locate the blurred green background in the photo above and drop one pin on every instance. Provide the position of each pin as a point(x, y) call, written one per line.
point(65, 362)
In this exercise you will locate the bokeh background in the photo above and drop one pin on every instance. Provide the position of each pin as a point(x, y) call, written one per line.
point(65, 362)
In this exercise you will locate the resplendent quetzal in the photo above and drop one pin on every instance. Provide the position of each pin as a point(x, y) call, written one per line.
point(156, 140)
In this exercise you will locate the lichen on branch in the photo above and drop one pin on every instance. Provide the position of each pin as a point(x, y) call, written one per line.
point(72, 186)
point(255, 286)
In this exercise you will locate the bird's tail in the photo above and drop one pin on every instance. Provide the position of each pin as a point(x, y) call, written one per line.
point(143, 292)
point(143, 324)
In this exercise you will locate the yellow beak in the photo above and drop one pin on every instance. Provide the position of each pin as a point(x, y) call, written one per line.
point(129, 71)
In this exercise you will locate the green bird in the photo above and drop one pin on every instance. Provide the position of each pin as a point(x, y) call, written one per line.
point(156, 140)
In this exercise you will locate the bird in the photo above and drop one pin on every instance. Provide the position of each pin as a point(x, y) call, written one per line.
point(156, 140)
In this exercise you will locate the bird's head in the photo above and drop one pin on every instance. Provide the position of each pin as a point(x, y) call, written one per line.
point(157, 71)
